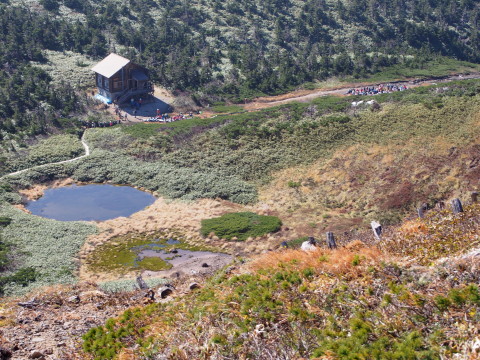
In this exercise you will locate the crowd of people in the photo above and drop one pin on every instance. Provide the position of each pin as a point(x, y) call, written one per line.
point(101, 124)
point(379, 89)
point(167, 118)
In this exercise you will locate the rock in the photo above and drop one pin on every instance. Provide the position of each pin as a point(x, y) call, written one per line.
point(74, 299)
point(141, 283)
point(205, 265)
point(29, 304)
point(165, 291)
point(5, 354)
point(36, 354)
point(308, 246)
point(177, 274)
point(193, 286)
point(91, 295)
point(229, 269)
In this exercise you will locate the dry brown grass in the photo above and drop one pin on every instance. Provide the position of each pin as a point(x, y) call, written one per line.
point(361, 183)
point(37, 191)
point(412, 227)
point(348, 260)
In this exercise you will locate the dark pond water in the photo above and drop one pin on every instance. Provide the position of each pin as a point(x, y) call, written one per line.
point(90, 202)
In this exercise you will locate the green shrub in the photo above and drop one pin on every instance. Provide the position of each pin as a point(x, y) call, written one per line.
point(240, 225)
point(4, 250)
point(442, 302)
point(4, 221)
point(22, 277)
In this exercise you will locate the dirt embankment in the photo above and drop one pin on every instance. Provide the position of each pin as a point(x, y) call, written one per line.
point(341, 89)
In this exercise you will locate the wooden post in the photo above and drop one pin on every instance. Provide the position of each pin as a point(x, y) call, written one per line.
point(474, 196)
point(141, 283)
point(457, 206)
point(331, 241)
point(377, 229)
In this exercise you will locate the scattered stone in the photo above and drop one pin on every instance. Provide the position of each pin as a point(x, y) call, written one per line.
point(205, 265)
point(165, 291)
point(194, 286)
point(29, 304)
point(309, 245)
point(75, 299)
point(5, 354)
point(36, 354)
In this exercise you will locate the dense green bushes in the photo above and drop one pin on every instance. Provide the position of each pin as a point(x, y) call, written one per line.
point(44, 250)
point(21, 278)
point(53, 149)
point(168, 179)
point(240, 225)
point(369, 311)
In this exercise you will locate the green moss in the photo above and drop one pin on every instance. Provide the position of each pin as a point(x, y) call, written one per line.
point(240, 225)
point(120, 253)
point(153, 264)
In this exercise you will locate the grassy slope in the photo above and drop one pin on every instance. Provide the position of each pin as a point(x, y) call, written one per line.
point(351, 303)
point(325, 165)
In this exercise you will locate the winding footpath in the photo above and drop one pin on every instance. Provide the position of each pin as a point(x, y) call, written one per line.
point(87, 153)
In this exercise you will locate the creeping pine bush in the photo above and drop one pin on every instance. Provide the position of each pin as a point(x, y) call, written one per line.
point(240, 225)
point(46, 246)
point(169, 180)
point(115, 286)
point(54, 149)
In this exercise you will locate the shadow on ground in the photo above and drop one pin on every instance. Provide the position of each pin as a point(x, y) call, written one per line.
point(147, 109)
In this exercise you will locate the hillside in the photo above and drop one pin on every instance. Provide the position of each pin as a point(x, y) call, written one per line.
point(210, 49)
point(320, 166)
point(356, 302)
point(282, 149)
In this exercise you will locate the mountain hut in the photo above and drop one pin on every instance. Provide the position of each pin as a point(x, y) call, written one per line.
point(118, 79)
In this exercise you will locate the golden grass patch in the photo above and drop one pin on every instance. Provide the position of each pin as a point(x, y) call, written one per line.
point(342, 261)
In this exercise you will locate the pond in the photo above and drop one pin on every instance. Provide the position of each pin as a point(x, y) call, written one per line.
point(90, 202)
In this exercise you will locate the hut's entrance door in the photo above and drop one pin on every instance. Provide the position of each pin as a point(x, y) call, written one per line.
point(132, 84)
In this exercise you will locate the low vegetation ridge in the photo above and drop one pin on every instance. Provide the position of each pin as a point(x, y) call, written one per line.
point(353, 302)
